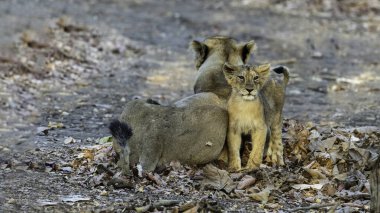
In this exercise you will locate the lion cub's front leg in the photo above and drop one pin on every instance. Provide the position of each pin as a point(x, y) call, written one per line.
point(234, 143)
point(258, 142)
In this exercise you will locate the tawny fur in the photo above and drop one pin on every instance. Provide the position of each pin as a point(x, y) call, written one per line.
point(210, 55)
point(252, 111)
point(192, 130)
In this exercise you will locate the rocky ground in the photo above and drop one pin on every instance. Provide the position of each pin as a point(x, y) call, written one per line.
point(67, 69)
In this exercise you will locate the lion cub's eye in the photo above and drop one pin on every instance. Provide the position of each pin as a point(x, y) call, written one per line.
point(256, 78)
point(241, 77)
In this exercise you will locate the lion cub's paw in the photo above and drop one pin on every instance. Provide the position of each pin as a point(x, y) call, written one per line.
point(248, 169)
point(234, 168)
point(251, 165)
point(275, 156)
point(275, 160)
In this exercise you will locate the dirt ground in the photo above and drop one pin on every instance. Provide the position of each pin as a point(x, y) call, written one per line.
point(68, 67)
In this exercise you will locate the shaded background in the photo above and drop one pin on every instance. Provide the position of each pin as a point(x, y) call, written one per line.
point(331, 47)
point(76, 63)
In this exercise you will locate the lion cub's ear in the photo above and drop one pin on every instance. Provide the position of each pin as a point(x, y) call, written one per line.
point(263, 70)
point(228, 68)
point(246, 50)
point(200, 50)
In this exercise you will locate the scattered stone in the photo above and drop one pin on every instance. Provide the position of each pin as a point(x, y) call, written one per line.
point(66, 169)
point(317, 55)
point(55, 125)
point(74, 198)
point(43, 131)
point(119, 183)
point(104, 193)
point(69, 140)
point(46, 203)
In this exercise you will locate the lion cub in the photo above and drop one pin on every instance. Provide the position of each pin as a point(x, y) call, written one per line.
point(255, 112)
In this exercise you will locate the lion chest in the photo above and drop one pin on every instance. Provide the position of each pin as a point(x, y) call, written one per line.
point(246, 116)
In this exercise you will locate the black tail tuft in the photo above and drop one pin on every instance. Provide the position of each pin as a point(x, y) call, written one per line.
point(120, 131)
point(283, 70)
point(279, 69)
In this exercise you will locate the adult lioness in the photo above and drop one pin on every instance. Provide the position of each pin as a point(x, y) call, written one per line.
point(210, 55)
point(192, 131)
point(252, 111)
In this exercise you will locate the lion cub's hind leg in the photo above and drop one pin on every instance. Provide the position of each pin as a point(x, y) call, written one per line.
point(276, 149)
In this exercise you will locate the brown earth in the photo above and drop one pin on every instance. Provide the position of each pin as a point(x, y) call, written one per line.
point(67, 69)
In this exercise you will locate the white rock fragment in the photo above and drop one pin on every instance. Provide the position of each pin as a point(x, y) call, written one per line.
point(69, 140)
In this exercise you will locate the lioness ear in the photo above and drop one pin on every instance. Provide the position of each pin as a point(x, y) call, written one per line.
point(201, 51)
point(246, 50)
point(228, 68)
point(263, 69)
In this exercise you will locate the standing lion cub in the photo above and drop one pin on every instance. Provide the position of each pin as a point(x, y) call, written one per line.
point(255, 111)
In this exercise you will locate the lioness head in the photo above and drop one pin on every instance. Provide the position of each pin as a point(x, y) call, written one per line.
point(211, 54)
point(224, 48)
point(246, 80)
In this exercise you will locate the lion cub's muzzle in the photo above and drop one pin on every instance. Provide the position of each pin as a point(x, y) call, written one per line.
point(249, 94)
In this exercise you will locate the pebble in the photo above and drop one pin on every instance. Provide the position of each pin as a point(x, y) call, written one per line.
point(317, 55)
point(67, 169)
point(69, 140)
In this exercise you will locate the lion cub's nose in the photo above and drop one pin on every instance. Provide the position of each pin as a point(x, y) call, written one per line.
point(249, 90)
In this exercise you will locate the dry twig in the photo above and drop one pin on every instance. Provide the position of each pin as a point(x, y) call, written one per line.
point(312, 207)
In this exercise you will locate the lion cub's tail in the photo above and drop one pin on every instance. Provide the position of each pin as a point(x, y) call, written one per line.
point(121, 132)
point(284, 70)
